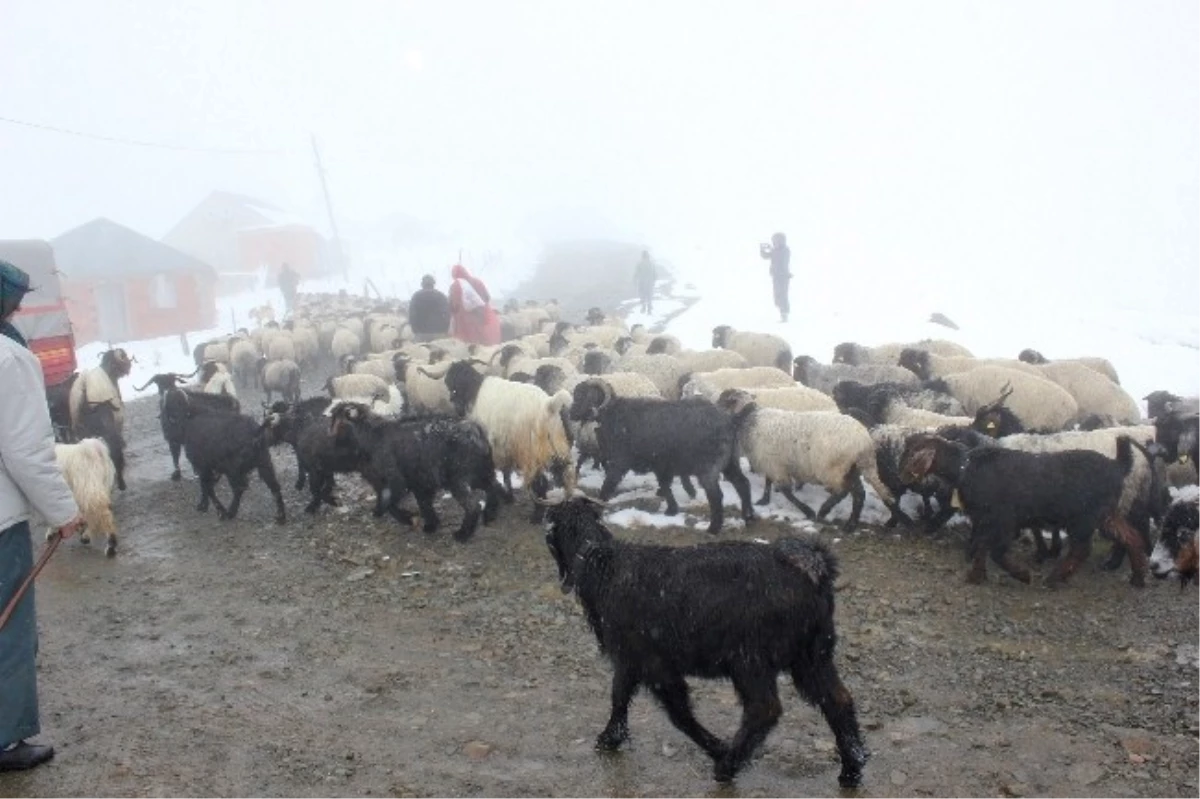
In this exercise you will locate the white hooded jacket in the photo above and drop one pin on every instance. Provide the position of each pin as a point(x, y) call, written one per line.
point(30, 480)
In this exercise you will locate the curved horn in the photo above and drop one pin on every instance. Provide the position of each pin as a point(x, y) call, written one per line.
point(606, 392)
point(193, 374)
point(430, 375)
point(601, 503)
point(145, 385)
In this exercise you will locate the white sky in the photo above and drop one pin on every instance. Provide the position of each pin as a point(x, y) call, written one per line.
point(1000, 145)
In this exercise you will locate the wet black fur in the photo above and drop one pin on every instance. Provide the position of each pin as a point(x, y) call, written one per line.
point(222, 443)
point(669, 438)
point(738, 610)
point(173, 402)
point(424, 455)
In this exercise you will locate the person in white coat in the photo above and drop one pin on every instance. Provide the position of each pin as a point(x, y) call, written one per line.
point(30, 481)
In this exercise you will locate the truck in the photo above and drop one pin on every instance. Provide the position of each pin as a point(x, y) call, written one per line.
point(43, 319)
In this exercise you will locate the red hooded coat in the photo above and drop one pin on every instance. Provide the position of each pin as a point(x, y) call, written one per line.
point(478, 326)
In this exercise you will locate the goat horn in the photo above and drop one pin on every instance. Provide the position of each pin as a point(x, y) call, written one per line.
point(430, 375)
point(144, 385)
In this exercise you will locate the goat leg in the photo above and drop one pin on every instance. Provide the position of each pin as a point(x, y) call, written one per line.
point(761, 710)
point(175, 447)
point(1132, 540)
point(540, 486)
point(765, 499)
point(207, 481)
point(266, 473)
point(509, 496)
point(716, 503)
point(428, 512)
point(789, 492)
point(672, 693)
point(733, 473)
point(462, 495)
point(858, 497)
point(624, 686)
point(688, 487)
point(664, 490)
point(1078, 549)
point(823, 687)
point(239, 485)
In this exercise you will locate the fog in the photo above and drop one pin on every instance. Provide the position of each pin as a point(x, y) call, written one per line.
point(1035, 149)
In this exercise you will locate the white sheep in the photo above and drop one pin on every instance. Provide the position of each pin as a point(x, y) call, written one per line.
point(791, 449)
point(344, 343)
point(1039, 405)
point(376, 367)
point(91, 475)
point(1096, 395)
point(280, 376)
point(280, 347)
point(1101, 365)
point(759, 349)
point(243, 360)
point(711, 360)
point(217, 351)
point(930, 366)
point(390, 404)
point(664, 371)
point(824, 377)
point(664, 344)
point(711, 384)
point(889, 354)
point(356, 385)
point(792, 398)
point(524, 426)
point(424, 390)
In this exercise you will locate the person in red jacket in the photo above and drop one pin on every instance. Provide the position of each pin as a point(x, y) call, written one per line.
point(473, 319)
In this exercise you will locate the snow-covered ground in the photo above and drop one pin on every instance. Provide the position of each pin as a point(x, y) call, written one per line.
point(1151, 349)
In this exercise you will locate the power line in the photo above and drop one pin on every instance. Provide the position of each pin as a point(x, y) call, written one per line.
point(135, 142)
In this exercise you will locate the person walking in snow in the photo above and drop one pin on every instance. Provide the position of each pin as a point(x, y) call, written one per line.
point(289, 282)
point(780, 256)
point(30, 482)
point(472, 317)
point(429, 312)
point(643, 277)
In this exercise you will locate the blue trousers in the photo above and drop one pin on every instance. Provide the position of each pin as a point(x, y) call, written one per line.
point(18, 641)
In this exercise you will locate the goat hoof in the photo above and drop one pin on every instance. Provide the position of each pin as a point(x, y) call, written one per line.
point(176, 477)
point(609, 742)
point(110, 550)
point(975, 578)
point(850, 778)
point(85, 538)
point(1023, 576)
point(724, 771)
point(763, 502)
point(281, 519)
point(671, 512)
point(1137, 580)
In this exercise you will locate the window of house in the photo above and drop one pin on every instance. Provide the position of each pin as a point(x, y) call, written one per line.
point(162, 292)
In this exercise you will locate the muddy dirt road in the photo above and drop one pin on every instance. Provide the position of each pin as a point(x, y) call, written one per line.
point(342, 656)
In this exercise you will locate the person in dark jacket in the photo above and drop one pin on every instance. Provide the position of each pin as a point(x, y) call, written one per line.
point(643, 277)
point(780, 256)
point(429, 312)
point(30, 483)
point(289, 282)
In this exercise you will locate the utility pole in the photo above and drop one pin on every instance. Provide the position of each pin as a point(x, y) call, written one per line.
point(337, 239)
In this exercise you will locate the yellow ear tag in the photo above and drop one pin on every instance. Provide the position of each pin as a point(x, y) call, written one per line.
point(956, 500)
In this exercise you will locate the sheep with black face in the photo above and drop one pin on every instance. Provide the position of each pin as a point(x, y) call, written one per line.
point(524, 426)
point(740, 610)
point(1175, 552)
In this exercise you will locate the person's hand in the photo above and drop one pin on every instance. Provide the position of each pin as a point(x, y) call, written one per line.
point(72, 527)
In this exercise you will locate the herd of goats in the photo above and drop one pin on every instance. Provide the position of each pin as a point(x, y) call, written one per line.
point(1013, 444)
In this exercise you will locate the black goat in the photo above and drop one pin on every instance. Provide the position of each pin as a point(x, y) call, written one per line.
point(222, 443)
point(735, 609)
point(853, 394)
point(1003, 490)
point(58, 400)
point(423, 455)
point(319, 455)
point(688, 437)
point(1178, 434)
point(174, 403)
point(1175, 552)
